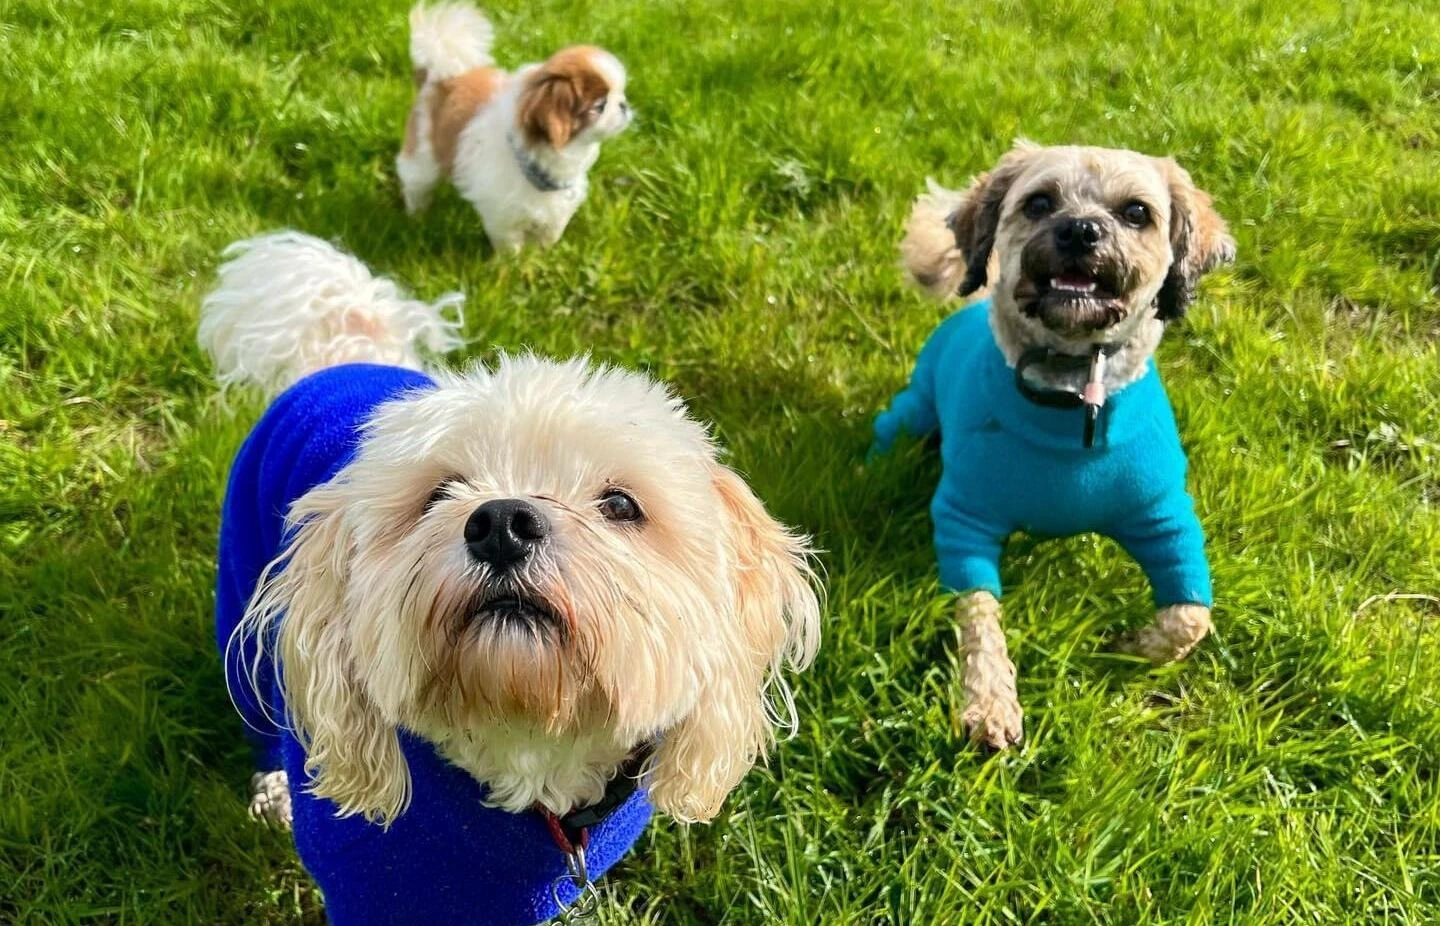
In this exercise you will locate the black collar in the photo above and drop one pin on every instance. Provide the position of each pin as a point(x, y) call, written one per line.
point(540, 178)
point(575, 825)
point(1092, 398)
point(1061, 363)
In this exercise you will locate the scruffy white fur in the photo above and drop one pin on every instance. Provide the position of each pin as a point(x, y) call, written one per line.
point(668, 630)
point(288, 304)
point(448, 40)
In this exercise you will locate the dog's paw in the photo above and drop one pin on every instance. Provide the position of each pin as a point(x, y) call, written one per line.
point(270, 798)
point(994, 723)
point(1175, 631)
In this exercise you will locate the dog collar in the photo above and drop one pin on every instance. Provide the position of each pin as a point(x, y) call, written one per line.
point(1091, 398)
point(573, 828)
point(571, 833)
point(540, 178)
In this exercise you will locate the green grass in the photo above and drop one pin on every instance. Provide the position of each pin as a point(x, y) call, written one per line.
point(740, 242)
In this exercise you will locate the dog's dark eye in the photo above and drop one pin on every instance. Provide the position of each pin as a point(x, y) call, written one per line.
point(617, 506)
point(1039, 205)
point(1136, 214)
point(600, 106)
point(439, 494)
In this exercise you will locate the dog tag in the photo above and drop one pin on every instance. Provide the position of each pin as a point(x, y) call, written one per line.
point(1094, 394)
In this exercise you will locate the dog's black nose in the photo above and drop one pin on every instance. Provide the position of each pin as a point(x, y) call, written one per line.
point(1077, 237)
point(504, 532)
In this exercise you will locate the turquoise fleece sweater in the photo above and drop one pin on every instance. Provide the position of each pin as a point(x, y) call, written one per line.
point(1010, 465)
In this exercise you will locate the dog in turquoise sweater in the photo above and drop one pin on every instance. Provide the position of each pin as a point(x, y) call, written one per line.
point(1049, 410)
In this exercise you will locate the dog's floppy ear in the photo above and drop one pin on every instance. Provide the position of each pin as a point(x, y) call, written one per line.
point(352, 753)
point(977, 219)
point(1199, 242)
point(548, 108)
point(774, 617)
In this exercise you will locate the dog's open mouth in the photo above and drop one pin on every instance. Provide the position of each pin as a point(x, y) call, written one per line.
point(519, 612)
point(1075, 299)
point(1078, 284)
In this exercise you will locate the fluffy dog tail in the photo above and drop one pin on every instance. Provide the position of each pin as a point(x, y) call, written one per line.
point(928, 252)
point(289, 304)
point(447, 40)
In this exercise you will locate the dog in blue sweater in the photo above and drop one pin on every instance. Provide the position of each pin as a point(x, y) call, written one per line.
point(1044, 394)
point(479, 624)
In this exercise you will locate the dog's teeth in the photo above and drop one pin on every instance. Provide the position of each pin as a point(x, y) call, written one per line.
point(1073, 286)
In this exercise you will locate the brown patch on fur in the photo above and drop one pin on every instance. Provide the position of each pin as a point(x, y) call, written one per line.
point(412, 129)
point(558, 96)
point(454, 103)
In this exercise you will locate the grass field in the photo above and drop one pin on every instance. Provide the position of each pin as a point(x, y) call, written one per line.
point(740, 242)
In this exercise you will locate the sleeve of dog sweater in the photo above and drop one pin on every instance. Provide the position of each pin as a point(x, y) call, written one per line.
point(913, 410)
point(967, 544)
point(1169, 544)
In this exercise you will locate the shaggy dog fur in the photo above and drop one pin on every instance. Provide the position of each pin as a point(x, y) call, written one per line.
point(540, 569)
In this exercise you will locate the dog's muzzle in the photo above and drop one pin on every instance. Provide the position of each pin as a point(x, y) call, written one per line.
point(504, 535)
point(1068, 284)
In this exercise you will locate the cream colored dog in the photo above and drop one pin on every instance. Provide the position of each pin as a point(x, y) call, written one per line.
point(538, 567)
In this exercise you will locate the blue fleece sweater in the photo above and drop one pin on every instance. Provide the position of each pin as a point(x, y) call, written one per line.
point(1009, 464)
point(447, 859)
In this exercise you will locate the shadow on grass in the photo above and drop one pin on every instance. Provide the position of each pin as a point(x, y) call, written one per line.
point(371, 223)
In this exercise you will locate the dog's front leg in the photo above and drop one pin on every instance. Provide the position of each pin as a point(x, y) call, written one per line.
point(549, 232)
point(1167, 541)
point(992, 714)
point(507, 236)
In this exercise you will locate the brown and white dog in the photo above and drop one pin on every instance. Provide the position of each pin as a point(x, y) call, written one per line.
point(517, 146)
